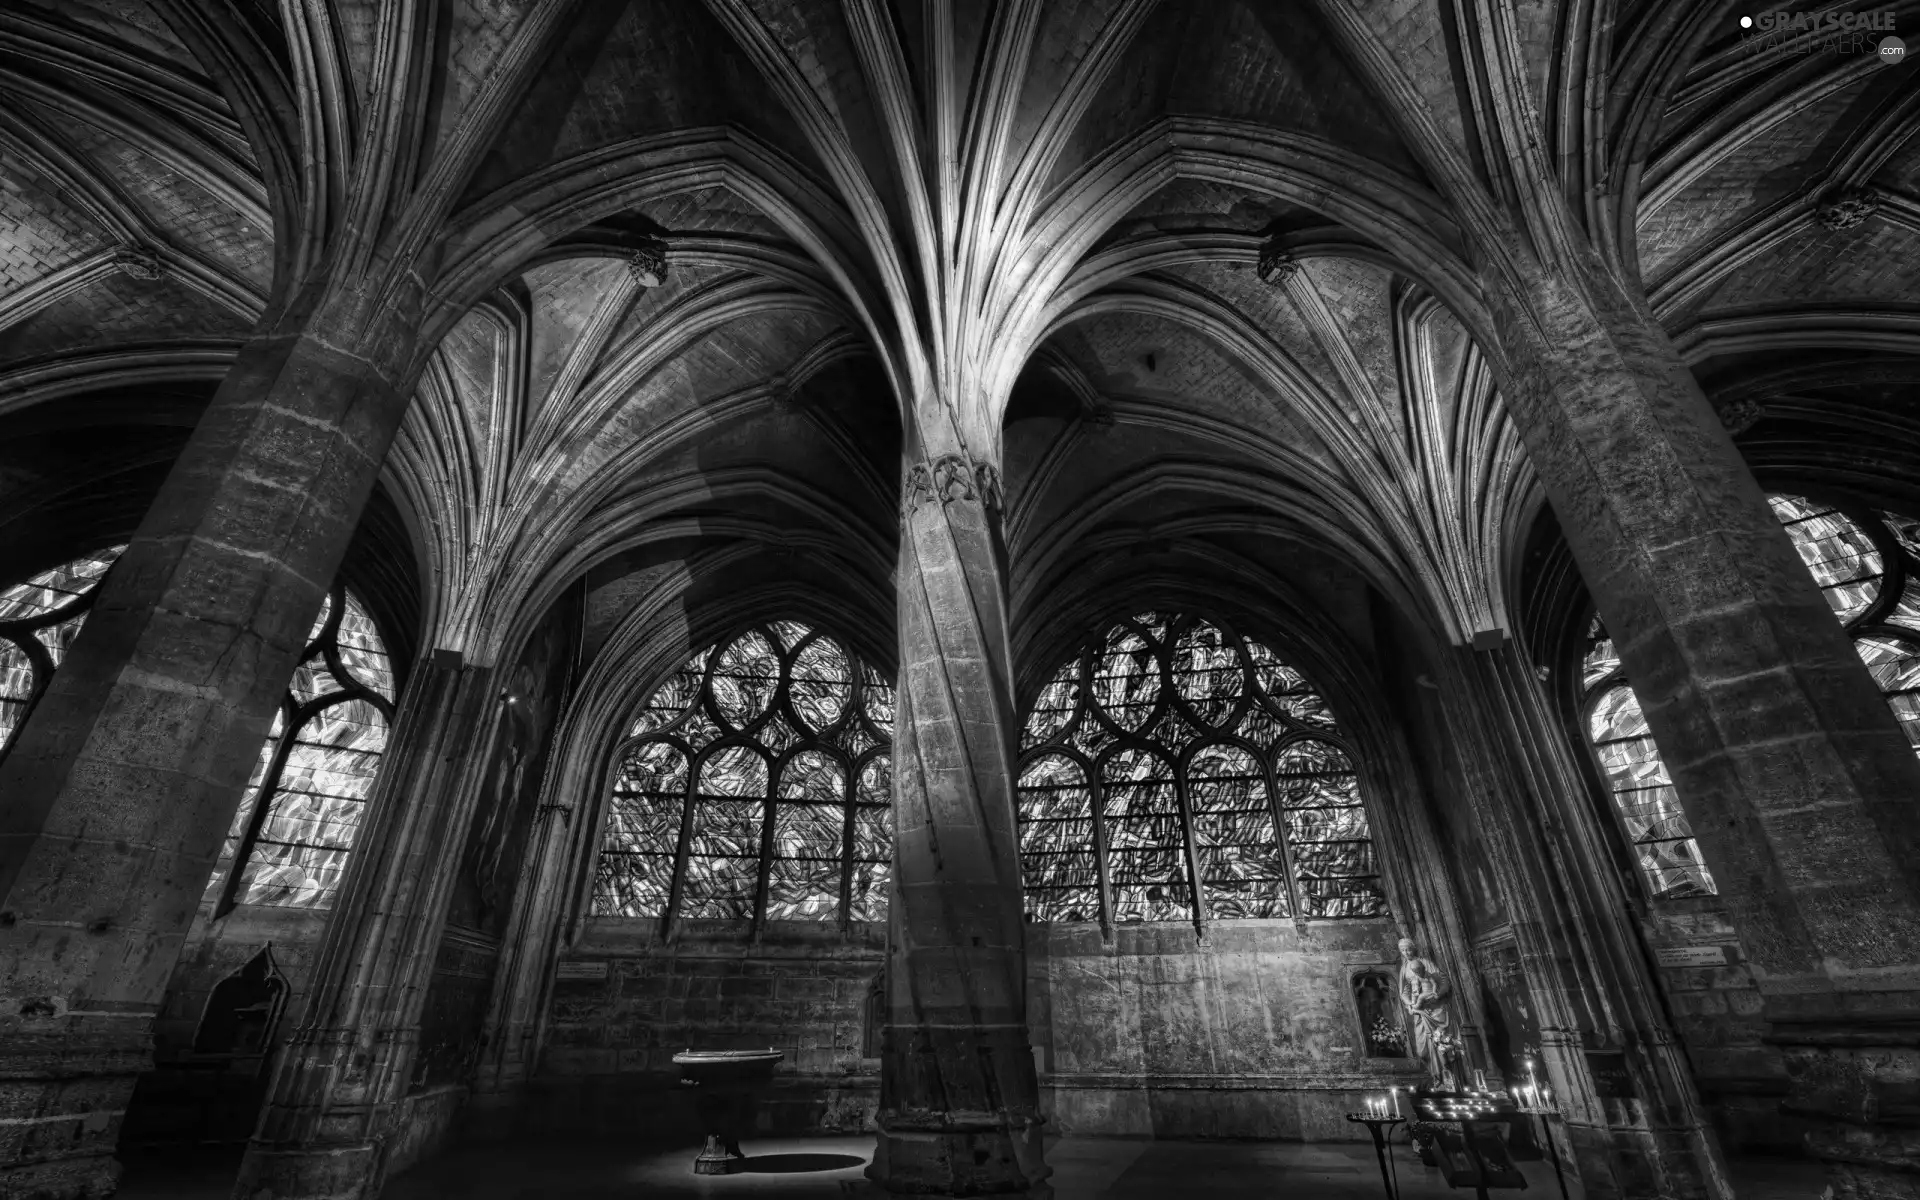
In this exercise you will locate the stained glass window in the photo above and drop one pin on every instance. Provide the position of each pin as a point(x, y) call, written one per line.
point(38, 621)
point(339, 704)
point(756, 786)
point(295, 828)
point(1865, 563)
point(1643, 795)
point(1174, 770)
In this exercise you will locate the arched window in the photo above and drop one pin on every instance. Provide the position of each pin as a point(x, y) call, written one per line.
point(1175, 771)
point(1643, 794)
point(1865, 562)
point(38, 621)
point(339, 703)
point(757, 786)
point(309, 789)
point(1868, 565)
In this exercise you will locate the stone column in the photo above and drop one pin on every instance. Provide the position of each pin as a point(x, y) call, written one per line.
point(1588, 979)
point(523, 981)
point(123, 781)
point(336, 1097)
point(958, 1090)
point(1798, 784)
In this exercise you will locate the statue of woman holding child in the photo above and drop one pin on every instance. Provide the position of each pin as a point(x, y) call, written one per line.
point(1424, 994)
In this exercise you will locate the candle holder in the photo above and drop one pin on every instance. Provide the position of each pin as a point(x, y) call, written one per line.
point(1536, 1100)
point(1380, 1117)
point(1460, 1131)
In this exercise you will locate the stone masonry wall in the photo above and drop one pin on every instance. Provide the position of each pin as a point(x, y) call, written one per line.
point(189, 1098)
point(1717, 1014)
point(1252, 1033)
point(625, 1003)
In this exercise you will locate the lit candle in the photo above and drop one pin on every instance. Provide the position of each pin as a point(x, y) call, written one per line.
point(1396, 1102)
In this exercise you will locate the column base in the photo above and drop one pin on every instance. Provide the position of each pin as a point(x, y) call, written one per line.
point(349, 1172)
point(998, 1160)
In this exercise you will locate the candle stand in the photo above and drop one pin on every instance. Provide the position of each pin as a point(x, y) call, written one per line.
point(1381, 1127)
point(1477, 1114)
point(1536, 1100)
point(1546, 1135)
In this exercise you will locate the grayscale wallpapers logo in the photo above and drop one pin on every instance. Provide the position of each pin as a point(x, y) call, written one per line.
point(1825, 33)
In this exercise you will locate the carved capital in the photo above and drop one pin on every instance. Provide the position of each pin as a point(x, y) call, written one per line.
point(140, 262)
point(1844, 210)
point(986, 481)
point(951, 477)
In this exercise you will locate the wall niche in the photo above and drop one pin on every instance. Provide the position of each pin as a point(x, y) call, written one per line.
point(1376, 1003)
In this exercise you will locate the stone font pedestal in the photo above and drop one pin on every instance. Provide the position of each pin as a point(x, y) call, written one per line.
point(726, 1086)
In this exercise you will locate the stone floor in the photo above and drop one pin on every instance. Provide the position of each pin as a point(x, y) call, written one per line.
point(1084, 1169)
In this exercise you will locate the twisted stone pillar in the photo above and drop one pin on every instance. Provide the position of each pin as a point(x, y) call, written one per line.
point(336, 1098)
point(123, 782)
point(1801, 789)
point(958, 1091)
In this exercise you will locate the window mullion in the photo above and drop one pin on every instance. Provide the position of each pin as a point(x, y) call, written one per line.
point(1198, 892)
point(764, 873)
point(850, 799)
point(262, 802)
point(1297, 900)
point(1103, 875)
point(671, 914)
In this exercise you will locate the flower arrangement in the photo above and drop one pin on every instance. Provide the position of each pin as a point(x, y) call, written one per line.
point(1386, 1033)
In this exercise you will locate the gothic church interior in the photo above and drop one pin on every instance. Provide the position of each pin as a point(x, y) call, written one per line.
point(1155, 570)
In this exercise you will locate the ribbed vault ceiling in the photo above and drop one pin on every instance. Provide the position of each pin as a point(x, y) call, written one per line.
point(1050, 210)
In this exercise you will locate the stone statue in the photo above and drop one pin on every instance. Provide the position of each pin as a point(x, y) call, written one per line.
point(1424, 993)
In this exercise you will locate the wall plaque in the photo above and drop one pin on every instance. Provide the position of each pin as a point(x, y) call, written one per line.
point(1611, 1079)
point(583, 970)
point(1693, 956)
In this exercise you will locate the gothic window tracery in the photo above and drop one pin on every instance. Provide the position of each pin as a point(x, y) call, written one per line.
point(294, 846)
point(1643, 795)
point(295, 829)
point(1173, 770)
point(757, 787)
point(1866, 564)
point(39, 620)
